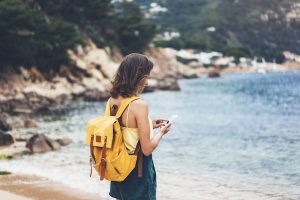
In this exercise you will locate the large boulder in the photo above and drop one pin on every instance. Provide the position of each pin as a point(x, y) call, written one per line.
point(39, 143)
point(166, 64)
point(4, 125)
point(168, 83)
point(5, 139)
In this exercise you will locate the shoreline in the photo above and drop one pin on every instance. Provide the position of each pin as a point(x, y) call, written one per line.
point(42, 96)
point(30, 187)
point(263, 70)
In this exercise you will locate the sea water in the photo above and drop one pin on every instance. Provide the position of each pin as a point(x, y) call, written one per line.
point(235, 137)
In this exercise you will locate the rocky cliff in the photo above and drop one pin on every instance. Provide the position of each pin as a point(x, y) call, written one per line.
point(88, 79)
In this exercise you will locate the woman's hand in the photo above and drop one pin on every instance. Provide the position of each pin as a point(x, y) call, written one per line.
point(157, 123)
point(165, 129)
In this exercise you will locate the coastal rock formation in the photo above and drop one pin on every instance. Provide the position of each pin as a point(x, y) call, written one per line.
point(39, 143)
point(5, 139)
point(94, 61)
point(167, 70)
point(168, 83)
point(166, 65)
point(86, 78)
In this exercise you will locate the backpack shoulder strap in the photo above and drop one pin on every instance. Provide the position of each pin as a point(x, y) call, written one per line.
point(124, 105)
point(107, 109)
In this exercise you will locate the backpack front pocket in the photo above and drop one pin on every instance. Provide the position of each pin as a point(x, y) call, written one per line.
point(121, 165)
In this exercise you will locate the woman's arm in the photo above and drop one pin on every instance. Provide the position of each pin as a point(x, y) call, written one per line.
point(141, 114)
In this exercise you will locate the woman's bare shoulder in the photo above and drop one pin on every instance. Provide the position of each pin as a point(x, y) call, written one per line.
point(140, 104)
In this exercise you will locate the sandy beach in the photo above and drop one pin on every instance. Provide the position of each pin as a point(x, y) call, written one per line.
point(25, 187)
point(10, 196)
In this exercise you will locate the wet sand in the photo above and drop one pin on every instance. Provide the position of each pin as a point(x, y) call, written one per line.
point(10, 196)
point(24, 187)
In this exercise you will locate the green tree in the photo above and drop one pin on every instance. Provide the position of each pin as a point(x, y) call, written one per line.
point(118, 25)
point(134, 33)
point(92, 17)
point(30, 38)
point(258, 26)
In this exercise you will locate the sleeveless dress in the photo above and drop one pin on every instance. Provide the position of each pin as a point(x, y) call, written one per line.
point(133, 187)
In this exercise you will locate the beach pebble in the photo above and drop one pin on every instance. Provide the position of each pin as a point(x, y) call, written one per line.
point(54, 145)
point(4, 125)
point(30, 124)
point(64, 141)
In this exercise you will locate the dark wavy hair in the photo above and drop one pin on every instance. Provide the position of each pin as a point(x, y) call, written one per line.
point(130, 75)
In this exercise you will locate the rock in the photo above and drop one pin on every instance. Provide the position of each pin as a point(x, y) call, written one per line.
point(214, 74)
point(44, 95)
point(95, 95)
point(97, 74)
point(166, 64)
point(195, 65)
point(25, 73)
point(168, 84)
point(66, 72)
point(54, 145)
point(64, 141)
point(39, 143)
point(30, 124)
point(94, 90)
point(35, 74)
point(189, 74)
point(186, 72)
point(4, 125)
point(6, 139)
point(77, 90)
point(93, 83)
point(21, 139)
point(22, 110)
point(152, 85)
point(91, 58)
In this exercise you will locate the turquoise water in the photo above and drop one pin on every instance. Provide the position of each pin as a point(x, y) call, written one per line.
point(236, 137)
point(242, 128)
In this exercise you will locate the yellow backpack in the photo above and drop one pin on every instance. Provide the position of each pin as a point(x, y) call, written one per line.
point(108, 153)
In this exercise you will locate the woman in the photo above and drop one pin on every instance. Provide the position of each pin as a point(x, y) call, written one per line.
point(130, 80)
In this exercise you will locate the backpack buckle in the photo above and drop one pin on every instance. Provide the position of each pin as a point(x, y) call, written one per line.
point(103, 162)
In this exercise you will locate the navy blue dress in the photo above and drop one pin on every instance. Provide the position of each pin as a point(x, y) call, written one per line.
point(135, 188)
